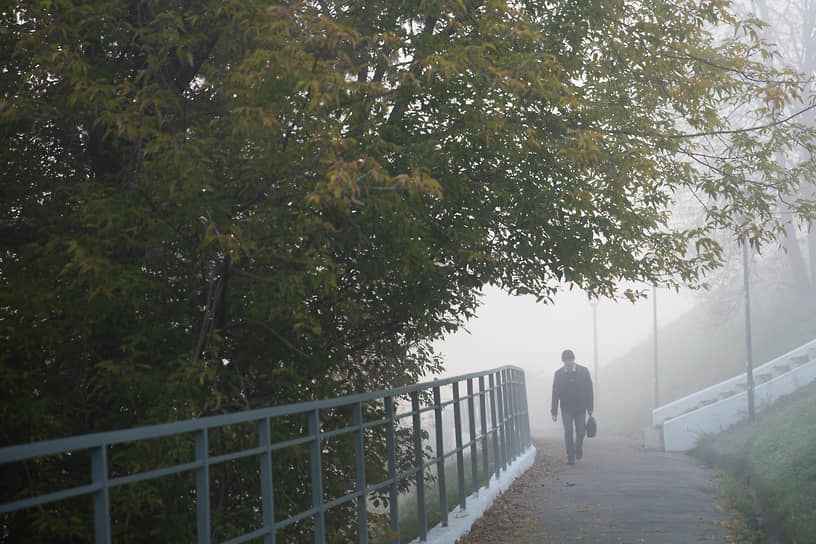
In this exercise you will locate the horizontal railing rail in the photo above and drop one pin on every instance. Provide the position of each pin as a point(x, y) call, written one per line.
point(490, 428)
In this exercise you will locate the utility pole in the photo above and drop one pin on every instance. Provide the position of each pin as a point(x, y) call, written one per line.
point(748, 350)
point(596, 381)
point(654, 320)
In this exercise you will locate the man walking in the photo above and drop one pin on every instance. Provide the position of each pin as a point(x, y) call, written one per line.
point(572, 388)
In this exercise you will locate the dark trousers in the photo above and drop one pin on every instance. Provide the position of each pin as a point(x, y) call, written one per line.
point(575, 443)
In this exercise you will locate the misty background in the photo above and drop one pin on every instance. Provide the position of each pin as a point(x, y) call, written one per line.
point(701, 335)
point(518, 330)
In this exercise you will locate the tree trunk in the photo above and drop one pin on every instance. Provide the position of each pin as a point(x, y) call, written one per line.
point(799, 270)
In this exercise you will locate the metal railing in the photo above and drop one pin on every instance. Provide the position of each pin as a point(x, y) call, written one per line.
point(490, 426)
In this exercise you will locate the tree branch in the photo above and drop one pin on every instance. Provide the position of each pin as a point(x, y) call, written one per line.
point(708, 133)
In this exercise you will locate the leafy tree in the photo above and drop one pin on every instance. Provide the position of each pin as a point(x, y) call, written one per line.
point(214, 206)
point(792, 29)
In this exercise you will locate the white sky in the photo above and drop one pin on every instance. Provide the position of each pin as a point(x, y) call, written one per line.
point(519, 331)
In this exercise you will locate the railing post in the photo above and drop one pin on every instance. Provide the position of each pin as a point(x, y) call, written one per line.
point(519, 411)
point(526, 407)
point(202, 487)
point(317, 477)
point(474, 452)
point(485, 442)
point(419, 466)
point(510, 401)
point(460, 457)
point(359, 466)
point(101, 497)
point(516, 414)
point(267, 489)
point(495, 425)
point(440, 456)
point(391, 454)
point(502, 419)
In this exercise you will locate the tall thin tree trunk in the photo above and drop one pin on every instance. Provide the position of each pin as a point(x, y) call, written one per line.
point(812, 248)
point(799, 271)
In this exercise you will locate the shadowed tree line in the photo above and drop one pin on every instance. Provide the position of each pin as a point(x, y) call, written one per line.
point(215, 206)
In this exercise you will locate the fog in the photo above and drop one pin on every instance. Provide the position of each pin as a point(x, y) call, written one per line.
point(701, 339)
point(517, 330)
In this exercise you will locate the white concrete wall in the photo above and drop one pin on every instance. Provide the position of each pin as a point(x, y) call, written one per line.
point(681, 433)
point(712, 394)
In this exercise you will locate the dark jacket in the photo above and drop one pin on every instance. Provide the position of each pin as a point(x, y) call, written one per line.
point(573, 389)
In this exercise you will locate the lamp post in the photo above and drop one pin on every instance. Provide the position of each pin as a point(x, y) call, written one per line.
point(748, 351)
point(654, 321)
point(594, 304)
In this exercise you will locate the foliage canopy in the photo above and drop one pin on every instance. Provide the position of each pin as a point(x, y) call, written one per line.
point(220, 205)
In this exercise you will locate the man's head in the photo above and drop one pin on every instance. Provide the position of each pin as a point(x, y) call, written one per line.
point(567, 357)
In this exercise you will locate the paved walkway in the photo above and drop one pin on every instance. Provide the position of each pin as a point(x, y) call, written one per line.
point(618, 493)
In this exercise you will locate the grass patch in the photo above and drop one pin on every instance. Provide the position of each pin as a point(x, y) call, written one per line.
point(775, 458)
point(746, 528)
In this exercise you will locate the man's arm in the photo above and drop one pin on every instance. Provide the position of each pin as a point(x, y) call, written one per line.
point(554, 409)
point(590, 393)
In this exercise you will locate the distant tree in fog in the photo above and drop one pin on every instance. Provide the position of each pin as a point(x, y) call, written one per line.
point(792, 27)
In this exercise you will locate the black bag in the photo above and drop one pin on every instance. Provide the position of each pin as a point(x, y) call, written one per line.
point(591, 427)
